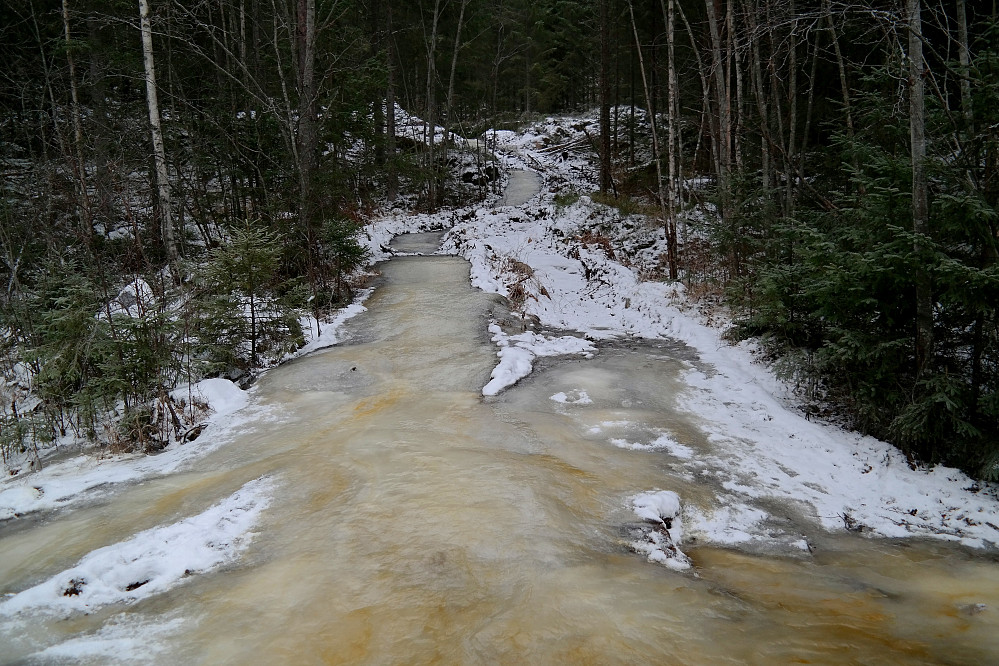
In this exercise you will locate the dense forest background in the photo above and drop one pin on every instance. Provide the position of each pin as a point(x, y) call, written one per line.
point(181, 179)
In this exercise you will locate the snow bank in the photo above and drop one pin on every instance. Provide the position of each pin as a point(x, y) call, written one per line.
point(152, 561)
point(221, 395)
point(330, 333)
point(85, 477)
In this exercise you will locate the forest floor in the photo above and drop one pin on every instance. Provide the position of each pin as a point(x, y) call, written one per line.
point(577, 273)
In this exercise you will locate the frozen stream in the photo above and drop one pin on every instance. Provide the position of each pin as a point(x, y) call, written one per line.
point(415, 522)
point(522, 186)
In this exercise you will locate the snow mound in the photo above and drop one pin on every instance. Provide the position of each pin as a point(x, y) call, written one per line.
point(152, 561)
point(660, 536)
point(223, 396)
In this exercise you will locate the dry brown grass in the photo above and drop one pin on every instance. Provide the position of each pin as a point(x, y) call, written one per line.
point(590, 238)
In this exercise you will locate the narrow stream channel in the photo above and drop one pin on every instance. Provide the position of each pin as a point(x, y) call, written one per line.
point(415, 522)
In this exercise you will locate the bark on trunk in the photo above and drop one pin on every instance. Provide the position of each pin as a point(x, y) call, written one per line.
point(964, 58)
point(722, 101)
point(307, 137)
point(844, 85)
point(80, 168)
point(605, 125)
point(393, 180)
point(920, 204)
point(159, 153)
point(656, 148)
point(431, 119)
point(449, 106)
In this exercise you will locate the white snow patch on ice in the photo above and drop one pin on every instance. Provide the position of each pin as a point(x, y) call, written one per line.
point(663, 442)
point(661, 541)
point(573, 397)
point(152, 561)
point(729, 524)
point(517, 354)
point(122, 640)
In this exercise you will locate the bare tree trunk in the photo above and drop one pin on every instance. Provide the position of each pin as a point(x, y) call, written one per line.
point(809, 108)
point(723, 104)
point(762, 104)
point(449, 105)
point(431, 119)
point(98, 102)
point(733, 72)
point(159, 153)
point(83, 201)
point(672, 140)
point(605, 125)
point(920, 203)
point(703, 75)
point(393, 179)
point(792, 123)
point(307, 137)
point(656, 148)
point(844, 85)
point(378, 112)
point(527, 80)
point(964, 58)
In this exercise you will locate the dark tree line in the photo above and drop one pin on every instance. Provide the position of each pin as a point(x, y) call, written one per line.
point(853, 153)
point(850, 150)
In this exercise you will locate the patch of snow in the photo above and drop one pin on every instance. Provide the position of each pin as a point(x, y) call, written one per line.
point(122, 640)
point(573, 397)
point(730, 524)
point(661, 443)
point(517, 354)
point(152, 561)
point(85, 477)
point(330, 333)
point(657, 506)
point(221, 395)
point(132, 300)
point(661, 541)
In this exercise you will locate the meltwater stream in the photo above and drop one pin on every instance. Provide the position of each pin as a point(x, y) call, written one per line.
point(414, 522)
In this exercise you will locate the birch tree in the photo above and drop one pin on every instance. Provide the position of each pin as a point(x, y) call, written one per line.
point(156, 132)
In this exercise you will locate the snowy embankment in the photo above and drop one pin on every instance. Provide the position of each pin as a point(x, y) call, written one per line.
point(762, 447)
point(150, 562)
point(223, 407)
point(85, 477)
